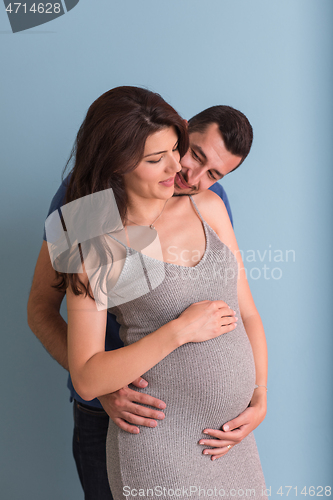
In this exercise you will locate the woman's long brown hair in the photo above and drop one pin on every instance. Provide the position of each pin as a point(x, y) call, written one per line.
point(110, 143)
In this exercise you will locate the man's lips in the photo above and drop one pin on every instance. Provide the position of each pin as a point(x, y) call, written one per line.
point(181, 183)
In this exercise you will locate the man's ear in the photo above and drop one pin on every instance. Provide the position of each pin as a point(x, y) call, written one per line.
point(186, 123)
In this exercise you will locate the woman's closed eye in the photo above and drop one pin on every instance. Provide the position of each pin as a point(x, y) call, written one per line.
point(159, 159)
point(155, 161)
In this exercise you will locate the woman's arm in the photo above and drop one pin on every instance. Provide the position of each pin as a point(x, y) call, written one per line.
point(96, 372)
point(213, 211)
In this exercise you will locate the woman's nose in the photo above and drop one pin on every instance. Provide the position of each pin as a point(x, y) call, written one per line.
point(174, 164)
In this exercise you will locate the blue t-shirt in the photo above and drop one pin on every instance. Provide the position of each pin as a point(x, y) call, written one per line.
point(112, 339)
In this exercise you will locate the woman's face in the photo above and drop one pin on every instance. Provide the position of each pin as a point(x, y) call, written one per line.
point(154, 176)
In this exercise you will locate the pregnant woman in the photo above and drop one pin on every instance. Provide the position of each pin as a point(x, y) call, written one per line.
point(181, 332)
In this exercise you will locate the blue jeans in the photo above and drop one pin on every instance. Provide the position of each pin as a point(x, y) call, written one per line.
point(89, 438)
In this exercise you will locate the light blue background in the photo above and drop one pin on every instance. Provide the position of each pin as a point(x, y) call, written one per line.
point(272, 59)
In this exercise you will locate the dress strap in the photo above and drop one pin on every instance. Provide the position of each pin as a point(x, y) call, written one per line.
point(196, 209)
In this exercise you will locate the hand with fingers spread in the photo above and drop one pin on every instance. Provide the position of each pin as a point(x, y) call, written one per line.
point(234, 431)
point(206, 320)
point(125, 408)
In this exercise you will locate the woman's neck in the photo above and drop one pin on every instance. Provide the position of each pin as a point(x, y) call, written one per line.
point(145, 211)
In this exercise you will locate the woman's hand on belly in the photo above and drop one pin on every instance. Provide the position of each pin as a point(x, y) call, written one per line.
point(237, 429)
point(206, 320)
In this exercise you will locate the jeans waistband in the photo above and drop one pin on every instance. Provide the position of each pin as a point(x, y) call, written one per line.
point(88, 407)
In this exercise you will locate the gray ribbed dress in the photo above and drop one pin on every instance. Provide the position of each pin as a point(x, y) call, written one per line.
point(203, 385)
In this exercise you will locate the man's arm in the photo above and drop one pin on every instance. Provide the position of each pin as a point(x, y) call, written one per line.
point(50, 328)
point(44, 303)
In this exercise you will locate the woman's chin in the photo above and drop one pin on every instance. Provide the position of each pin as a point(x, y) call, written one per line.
point(166, 192)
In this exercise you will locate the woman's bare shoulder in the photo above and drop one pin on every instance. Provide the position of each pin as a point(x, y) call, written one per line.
point(211, 207)
point(207, 197)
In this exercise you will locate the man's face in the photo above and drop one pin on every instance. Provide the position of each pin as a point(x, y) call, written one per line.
point(206, 162)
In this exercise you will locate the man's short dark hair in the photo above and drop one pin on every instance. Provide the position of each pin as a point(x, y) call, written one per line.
point(235, 128)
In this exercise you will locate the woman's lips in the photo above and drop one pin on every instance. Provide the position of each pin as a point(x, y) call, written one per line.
point(168, 182)
point(180, 183)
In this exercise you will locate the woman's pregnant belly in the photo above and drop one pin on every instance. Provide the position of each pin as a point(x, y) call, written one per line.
point(207, 383)
point(203, 385)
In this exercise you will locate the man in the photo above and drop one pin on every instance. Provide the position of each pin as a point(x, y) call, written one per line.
point(220, 140)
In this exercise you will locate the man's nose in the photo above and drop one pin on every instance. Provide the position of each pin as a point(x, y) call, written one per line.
point(194, 175)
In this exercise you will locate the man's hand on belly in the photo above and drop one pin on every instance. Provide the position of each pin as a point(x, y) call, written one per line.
point(123, 408)
point(237, 429)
